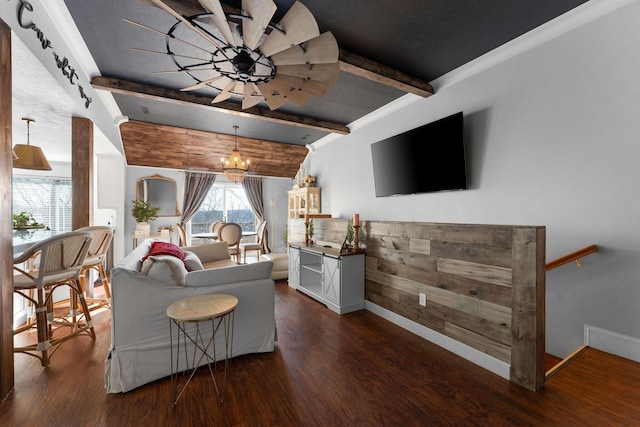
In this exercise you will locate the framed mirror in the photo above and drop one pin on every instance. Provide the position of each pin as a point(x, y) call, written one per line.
point(160, 191)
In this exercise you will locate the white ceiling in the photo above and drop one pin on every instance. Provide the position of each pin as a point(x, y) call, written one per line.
point(37, 95)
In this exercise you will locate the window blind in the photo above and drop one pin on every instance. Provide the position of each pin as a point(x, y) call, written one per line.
point(48, 200)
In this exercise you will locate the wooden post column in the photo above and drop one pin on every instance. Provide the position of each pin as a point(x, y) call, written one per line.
point(6, 247)
point(81, 172)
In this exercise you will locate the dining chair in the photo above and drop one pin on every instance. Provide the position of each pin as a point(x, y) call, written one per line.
point(231, 233)
point(215, 227)
point(60, 261)
point(182, 233)
point(95, 259)
point(261, 232)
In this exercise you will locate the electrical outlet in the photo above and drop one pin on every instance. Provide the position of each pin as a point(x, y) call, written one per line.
point(423, 299)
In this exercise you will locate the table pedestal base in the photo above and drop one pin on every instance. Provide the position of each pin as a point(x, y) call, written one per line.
point(200, 351)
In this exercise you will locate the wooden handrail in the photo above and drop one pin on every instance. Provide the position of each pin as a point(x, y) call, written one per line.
point(573, 256)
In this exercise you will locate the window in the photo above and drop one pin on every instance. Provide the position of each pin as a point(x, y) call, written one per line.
point(225, 202)
point(47, 199)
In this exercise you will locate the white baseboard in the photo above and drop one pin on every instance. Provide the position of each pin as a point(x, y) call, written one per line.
point(612, 342)
point(489, 363)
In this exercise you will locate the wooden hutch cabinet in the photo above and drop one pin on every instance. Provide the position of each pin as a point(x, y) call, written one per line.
point(304, 200)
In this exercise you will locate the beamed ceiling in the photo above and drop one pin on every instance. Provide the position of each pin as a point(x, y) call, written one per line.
point(386, 49)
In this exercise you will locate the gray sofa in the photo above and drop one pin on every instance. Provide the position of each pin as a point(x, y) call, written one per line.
point(140, 341)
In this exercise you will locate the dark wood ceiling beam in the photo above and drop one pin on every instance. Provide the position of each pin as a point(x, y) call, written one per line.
point(371, 70)
point(140, 90)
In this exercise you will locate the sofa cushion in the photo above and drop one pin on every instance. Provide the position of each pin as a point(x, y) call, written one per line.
point(192, 262)
point(166, 269)
point(219, 263)
point(210, 251)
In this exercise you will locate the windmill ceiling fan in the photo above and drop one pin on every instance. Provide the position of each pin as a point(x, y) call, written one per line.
point(247, 56)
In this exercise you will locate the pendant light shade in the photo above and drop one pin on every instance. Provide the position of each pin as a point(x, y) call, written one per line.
point(29, 156)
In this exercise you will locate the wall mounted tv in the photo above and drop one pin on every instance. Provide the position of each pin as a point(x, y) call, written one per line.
point(423, 160)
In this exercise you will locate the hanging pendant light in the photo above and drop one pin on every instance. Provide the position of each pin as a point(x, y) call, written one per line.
point(27, 156)
point(235, 169)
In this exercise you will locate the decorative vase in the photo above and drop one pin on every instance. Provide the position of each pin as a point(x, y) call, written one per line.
point(143, 229)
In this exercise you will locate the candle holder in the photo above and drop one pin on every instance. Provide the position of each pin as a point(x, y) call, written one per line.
point(356, 240)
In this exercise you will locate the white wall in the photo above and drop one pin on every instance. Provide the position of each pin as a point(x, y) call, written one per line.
point(275, 189)
point(552, 136)
point(108, 199)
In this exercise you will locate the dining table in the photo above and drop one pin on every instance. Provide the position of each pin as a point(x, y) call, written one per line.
point(24, 238)
point(213, 235)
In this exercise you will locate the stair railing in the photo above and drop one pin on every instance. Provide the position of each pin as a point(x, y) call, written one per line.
point(573, 256)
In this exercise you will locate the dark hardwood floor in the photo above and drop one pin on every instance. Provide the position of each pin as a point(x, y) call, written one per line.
point(327, 370)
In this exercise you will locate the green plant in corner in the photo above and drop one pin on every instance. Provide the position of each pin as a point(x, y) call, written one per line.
point(350, 233)
point(142, 211)
point(310, 230)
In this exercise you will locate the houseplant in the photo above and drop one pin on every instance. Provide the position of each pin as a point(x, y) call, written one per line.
point(144, 212)
point(25, 220)
point(350, 233)
point(310, 231)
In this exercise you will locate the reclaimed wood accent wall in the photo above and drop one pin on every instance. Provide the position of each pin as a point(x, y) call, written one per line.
point(160, 146)
point(484, 283)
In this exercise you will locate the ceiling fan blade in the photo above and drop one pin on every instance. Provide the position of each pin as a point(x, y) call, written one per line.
point(226, 92)
point(201, 84)
point(309, 87)
point(271, 96)
point(319, 50)
point(165, 35)
point(261, 12)
point(290, 88)
point(169, 53)
point(219, 19)
point(285, 84)
point(316, 88)
point(184, 70)
point(299, 26)
point(239, 89)
point(298, 97)
point(322, 72)
point(251, 96)
point(144, 26)
point(162, 5)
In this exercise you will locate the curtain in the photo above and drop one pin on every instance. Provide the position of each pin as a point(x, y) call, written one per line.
point(196, 187)
point(253, 189)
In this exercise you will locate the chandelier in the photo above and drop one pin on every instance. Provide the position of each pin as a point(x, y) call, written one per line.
point(235, 169)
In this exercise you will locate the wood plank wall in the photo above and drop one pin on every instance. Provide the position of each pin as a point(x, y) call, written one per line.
point(484, 283)
point(154, 145)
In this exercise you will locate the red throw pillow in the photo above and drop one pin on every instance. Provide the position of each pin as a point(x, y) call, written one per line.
point(165, 248)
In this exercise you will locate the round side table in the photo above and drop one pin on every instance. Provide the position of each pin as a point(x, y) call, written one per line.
point(215, 308)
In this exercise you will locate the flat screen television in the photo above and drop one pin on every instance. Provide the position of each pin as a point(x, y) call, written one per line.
point(426, 159)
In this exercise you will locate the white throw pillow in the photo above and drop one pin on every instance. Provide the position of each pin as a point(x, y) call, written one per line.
point(165, 268)
point(192, 261)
